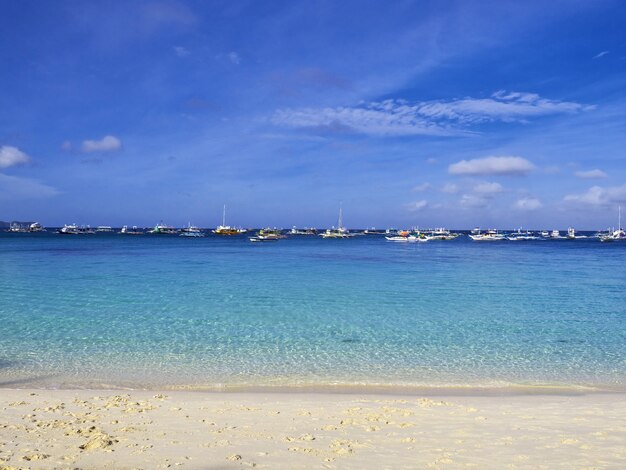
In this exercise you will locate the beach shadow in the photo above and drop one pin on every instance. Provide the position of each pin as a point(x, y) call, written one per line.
point(25, 381)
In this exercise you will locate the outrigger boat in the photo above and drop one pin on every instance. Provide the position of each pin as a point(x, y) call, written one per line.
point(268, 235)
point(227, 229)
point(615, 235)
point(487, 236)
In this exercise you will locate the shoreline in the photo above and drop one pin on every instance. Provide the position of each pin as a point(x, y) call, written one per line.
point(120, 429)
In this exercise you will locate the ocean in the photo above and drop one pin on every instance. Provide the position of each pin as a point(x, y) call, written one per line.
point(221, 313)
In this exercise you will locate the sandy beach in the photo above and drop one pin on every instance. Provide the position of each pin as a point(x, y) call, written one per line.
point(86, 429)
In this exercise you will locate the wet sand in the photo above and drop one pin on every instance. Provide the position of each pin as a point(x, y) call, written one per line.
point(49, 429)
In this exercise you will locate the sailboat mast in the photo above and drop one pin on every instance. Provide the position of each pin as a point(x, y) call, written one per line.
point(619, 217)
point(224, 216)
point(340, 222)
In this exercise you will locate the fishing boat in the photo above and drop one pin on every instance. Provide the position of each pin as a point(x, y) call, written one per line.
point(340, 231)
point(17, 228)
point(491, 235)
point(227, 229)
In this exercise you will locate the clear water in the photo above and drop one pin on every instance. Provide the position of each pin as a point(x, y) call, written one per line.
point(161, 311)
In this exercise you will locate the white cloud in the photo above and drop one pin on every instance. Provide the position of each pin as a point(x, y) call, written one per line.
point(14, 188)
point(472, 200)
point(108, 143)
point(492, 166)
point(528, 204)
point(181, 51)
point(234, 58)
point(11, 156)
point(599, 196)
point(601, 54)
point(488, 188)
point(67, 146)
point(399, 117)
point(450, 188)
point(381, 119)
point(417, 205)
point(422, 187)
point(591, 174)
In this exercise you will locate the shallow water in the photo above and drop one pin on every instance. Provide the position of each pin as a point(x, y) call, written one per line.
point(161, 311)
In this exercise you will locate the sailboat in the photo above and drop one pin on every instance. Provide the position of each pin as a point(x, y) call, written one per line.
point(340, 231)
point(616, 235)
point(227, 229)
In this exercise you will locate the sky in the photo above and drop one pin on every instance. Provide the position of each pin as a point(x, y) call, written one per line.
point(497, 114)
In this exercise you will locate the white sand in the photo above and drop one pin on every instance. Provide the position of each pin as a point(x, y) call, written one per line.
point(192, 430)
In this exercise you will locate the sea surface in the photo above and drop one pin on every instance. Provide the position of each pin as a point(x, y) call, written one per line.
point(109, 310)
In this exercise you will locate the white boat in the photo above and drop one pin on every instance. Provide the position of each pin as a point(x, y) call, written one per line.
point(268, 235)
point(36, 227)
point(545, 233)
point(521, 236)
point(555, 234)
point(340, 231)
point(615, 235)
point(305, 231)
point(131, 231)
point(440, 234)
point(104, 228)
point(17, 228)
point(191, 231)
point(71, 229)
point(491, 235)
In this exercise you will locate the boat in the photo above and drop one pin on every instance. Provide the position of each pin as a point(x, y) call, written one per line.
point(340, 231)
point(17, 228)
point(305, 231)
point(227, 229)
point(615, 235)
point(555, 234)
point(36, 227)
point(71, 229)
point(104, 228)
point(491, 235)
point(191, 231)
point(132, 231)
point(440, 234)
point(268, 235)
point(415, 237)
point(520, 235)
point(162, 229)
point(545, 233)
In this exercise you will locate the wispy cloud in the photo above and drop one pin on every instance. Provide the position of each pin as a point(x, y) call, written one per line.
point(473, 201)
point(181, 51)
point(599, 196)
point(234, 58)
point(506, 165)
point(601, 54)
point(450, 188)
point(108, 143)
point(488, 188)
point(591, 174)
point(528, 204)
point(443, 118)
point(422, 187)
point(15, 188)
point(416, 206)
point(11, 156)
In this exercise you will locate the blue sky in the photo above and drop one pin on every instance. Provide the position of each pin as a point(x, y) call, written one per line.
point(410, 113)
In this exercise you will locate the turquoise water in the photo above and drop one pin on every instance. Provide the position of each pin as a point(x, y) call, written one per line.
point(158, 311)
